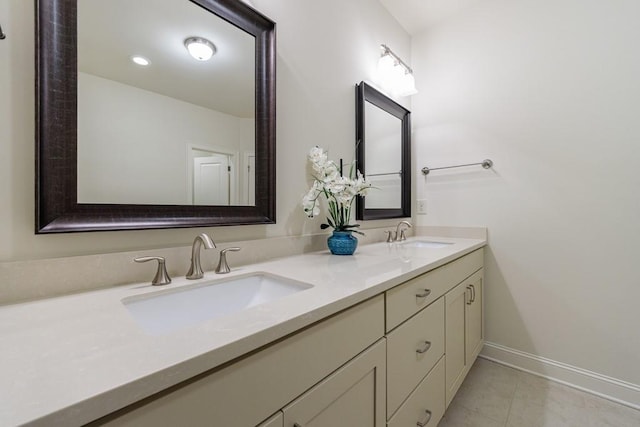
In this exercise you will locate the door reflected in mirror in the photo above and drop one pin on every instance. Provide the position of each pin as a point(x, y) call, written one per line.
point(383, 154)
point(177, 131)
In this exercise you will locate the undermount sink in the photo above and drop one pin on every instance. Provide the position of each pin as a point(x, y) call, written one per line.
point(425, 244)
point(167, 311)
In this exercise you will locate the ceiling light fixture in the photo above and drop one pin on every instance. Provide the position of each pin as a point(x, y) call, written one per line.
point(395, 74)
point(200, 48)
point(140, 60)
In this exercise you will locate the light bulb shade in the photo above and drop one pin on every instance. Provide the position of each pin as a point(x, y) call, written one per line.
point(407, 85)
point(394, 75)
point(200, 48)
point(385, 70)
point(398, 74)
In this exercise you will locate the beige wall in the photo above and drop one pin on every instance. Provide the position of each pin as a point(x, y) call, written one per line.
point(550, 92)
point(324, 49)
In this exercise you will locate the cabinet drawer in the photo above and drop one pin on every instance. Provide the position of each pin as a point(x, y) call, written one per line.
point(425, 403)
point(412, 296)
point(413, 349)
point(251, 389)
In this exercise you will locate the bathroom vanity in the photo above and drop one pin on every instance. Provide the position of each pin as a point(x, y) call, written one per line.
point(383, 337)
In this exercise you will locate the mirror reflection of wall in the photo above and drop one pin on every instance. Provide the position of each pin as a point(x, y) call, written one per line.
point(383, 158)
point(136, 124)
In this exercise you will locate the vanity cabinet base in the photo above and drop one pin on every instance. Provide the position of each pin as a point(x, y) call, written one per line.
point(344, 371)
point(255, 387)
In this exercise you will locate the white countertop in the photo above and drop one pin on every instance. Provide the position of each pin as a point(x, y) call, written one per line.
point(72, 359)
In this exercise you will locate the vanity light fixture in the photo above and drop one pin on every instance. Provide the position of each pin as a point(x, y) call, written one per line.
point(395, 74)
point(140, 60)
point(200, 48)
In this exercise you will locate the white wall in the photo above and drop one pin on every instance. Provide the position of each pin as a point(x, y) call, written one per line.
point(550, 91)
point(324, 49)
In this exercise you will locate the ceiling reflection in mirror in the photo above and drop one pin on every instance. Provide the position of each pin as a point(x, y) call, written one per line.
point(178, 131)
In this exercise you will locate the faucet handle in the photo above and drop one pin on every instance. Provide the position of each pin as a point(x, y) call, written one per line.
point(391, 236)
point(161, 277)
point(402, 237)
point(223, 266)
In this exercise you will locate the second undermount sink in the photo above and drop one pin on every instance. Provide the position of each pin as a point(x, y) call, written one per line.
point(425, 244)
point(170, 310)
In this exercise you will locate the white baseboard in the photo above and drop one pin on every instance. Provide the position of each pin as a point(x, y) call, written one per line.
point(591, 382)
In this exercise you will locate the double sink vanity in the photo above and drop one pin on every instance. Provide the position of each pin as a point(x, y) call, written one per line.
point(382, 337)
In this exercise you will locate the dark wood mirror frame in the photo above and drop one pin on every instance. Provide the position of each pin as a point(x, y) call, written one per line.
point(57, 208)
point(366, 93)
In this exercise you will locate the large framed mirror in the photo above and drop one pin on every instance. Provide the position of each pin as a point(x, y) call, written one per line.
point(383, 154)
point(180, 142)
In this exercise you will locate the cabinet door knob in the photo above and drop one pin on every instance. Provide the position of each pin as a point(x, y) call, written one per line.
point(424, 348)
point(425, 293)
point(426, 421)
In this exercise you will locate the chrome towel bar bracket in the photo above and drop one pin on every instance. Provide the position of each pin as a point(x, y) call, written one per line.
point(486, 163)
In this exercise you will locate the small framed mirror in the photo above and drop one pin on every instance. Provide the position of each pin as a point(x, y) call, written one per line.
point(383, 154)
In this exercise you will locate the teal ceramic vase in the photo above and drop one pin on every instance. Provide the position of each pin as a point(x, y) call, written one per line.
point(342, 243)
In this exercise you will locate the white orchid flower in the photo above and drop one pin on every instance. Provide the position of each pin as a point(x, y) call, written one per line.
point(339, 190)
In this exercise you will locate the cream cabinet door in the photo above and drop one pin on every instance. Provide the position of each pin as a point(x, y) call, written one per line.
point(463, 331)
point(455, 311)
point(474, 331)
point(353, 396)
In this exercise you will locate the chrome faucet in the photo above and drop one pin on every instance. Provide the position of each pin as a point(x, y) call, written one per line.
point(195, 271)
point(400, 236)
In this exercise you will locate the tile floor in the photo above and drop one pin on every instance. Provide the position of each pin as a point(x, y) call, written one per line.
point(494, 395)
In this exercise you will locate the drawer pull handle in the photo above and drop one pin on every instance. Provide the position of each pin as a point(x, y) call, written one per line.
point(470, 298)
point(424, 294)
point(425, 422)
point(424, 349)
point(473, 293)
point(296, 425)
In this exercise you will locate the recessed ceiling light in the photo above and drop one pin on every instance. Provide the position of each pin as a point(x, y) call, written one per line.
point(140, 60)
point(200, 48)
